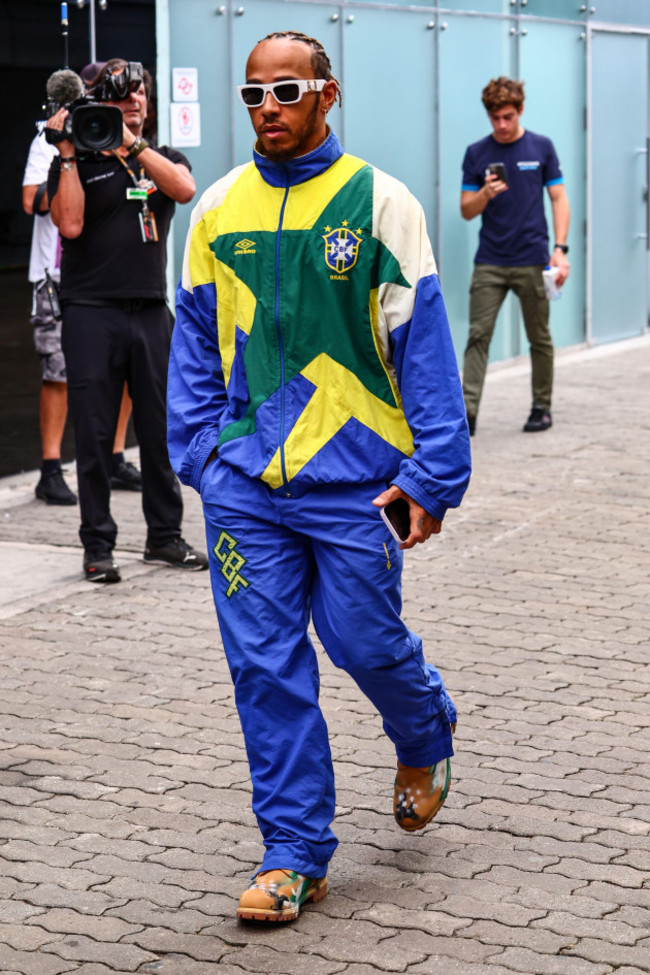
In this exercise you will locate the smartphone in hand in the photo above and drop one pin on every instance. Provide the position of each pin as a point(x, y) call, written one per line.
point(397, 518)
point(498, 169)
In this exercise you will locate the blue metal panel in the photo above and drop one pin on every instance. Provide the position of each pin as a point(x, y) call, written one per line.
point(549, 112)
point(560, 9)
point(199, 38)
point(472, 50)
point(618, 188)
point(390, 112)
point(481, 6)
point(635, 12)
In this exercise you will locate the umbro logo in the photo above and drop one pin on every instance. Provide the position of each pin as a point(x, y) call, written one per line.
point(244, 246)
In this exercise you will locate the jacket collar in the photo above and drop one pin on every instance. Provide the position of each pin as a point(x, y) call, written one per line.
point(302, 168)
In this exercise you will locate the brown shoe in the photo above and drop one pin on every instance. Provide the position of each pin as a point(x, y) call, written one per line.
point(278, 895)
point(420, 793)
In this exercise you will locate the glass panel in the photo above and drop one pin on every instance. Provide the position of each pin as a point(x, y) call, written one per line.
point(560, 9)
point(481, 6)
point(390, 113)
point(472, 50)
point(199, 39)
point(549, 112)
point(260, 17)
point(619, 128)
point(635, 12)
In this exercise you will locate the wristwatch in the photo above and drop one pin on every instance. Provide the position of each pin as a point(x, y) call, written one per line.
point(562, 247)
point(138, 146)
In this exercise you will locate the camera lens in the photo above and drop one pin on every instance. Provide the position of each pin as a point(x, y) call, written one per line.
point(97, 127)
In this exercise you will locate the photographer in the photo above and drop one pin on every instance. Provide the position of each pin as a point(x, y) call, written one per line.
point(113, 210)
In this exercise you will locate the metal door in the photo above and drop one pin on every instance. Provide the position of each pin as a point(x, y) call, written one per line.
point(618, 185)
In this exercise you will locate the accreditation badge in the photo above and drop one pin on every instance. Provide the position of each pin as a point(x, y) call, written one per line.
point(148, 228)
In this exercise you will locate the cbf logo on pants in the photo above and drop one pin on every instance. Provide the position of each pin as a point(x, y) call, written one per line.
point(231, 562)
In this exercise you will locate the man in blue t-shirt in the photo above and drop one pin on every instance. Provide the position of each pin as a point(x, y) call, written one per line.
point(504, 176)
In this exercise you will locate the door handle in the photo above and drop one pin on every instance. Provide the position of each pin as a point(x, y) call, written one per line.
point(647, 193)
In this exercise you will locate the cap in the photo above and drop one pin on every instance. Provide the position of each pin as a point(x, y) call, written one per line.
point(90, 72)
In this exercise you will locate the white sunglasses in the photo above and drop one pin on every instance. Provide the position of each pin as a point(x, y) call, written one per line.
point(284, 92)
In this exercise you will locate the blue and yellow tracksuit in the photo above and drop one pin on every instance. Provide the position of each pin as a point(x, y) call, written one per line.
point(312, 349)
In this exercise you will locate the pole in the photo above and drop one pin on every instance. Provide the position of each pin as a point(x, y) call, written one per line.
point(64, 32)
point(93, 44)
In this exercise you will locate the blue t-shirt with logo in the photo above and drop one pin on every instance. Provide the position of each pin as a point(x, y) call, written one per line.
point(513, 229)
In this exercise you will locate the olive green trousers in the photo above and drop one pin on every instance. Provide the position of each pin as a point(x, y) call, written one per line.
point(490, 285)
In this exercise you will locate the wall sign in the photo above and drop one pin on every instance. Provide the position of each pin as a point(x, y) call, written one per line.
point(185, 124)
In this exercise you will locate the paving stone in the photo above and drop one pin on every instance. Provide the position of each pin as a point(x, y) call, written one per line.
point(185, 919)
point(127, 888)
point(493, 933)
point(84, 901)
point(24, 938)
point(72, 878)
point(260, 958)
point(162, 942)
point(563, 922)
point(174, 964)
point(602, 952)
point(522, 960)
point(32, 963)
point(495, 910)
point(385, 956)
point(613, 893)
point(121, 957)
point(606, 872)
point(66, 921)
point(390, 916)
point(439, 963)
point(41, 851)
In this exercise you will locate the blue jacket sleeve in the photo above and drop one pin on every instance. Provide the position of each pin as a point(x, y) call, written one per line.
point(421, 353)
point(438, 472)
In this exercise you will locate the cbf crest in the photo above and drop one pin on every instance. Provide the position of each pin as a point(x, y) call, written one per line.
point(341, 248)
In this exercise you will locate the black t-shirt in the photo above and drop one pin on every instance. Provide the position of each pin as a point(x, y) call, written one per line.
point(109, 258)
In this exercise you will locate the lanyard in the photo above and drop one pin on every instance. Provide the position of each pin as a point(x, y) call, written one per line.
point(134, 179)
point(148, 229)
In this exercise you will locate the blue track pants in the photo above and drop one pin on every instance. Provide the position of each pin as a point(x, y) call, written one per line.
point(274, 562)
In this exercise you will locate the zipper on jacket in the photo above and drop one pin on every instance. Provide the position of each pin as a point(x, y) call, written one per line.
point(280, 343)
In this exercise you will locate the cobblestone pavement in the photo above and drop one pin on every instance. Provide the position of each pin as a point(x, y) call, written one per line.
point(125, 829)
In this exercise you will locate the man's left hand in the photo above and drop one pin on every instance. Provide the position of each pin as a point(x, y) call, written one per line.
point(423, 525)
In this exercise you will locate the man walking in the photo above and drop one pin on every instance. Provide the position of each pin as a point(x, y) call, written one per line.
point(114, 210)
point(504, 176)
point(312, 380)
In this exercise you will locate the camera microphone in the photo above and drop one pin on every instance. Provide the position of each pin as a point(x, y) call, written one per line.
point(64, 86)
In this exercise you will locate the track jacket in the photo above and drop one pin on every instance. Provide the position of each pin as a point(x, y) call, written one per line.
point(311, 343)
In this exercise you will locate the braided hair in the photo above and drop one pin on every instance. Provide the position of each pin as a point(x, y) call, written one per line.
point(319, 59)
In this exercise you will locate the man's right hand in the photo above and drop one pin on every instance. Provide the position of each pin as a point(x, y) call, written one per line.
point(65, 147)
point(493, 186)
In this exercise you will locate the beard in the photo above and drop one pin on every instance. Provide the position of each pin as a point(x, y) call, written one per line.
point(300, 143)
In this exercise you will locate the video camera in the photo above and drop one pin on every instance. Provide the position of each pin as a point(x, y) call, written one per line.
point(90, 124)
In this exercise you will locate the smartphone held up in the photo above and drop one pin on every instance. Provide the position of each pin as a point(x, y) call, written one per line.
point(497, 169)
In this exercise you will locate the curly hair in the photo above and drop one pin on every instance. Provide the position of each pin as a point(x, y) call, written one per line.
point(503, 91)
point(319, 60)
